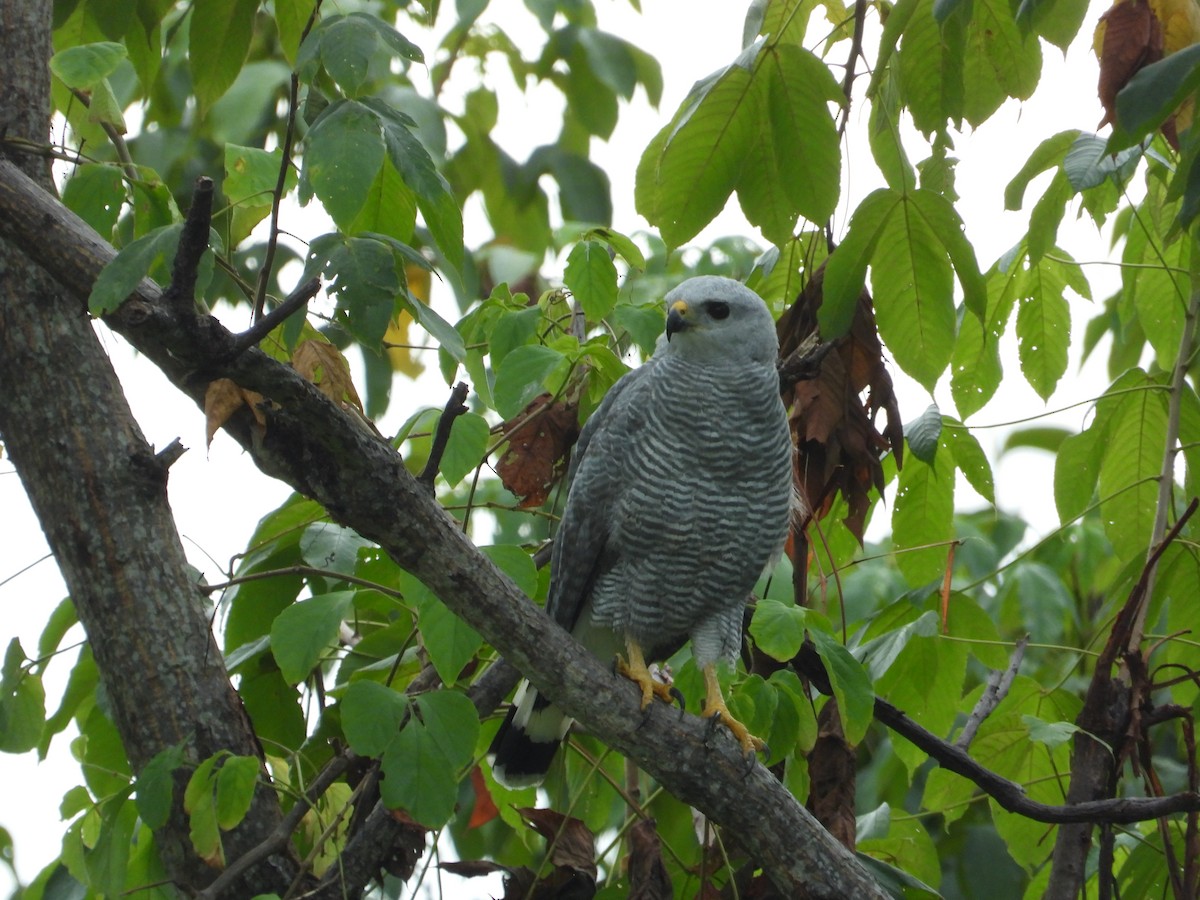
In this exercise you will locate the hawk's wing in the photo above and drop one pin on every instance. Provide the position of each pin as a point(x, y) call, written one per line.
point(581, 550)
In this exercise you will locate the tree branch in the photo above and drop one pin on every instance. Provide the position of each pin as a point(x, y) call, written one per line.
point(455, 407)
point(318, 449)
point(998, 685)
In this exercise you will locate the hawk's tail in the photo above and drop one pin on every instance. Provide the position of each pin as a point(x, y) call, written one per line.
point(526, 743)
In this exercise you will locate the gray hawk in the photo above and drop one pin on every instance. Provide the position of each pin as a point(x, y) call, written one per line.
point(681, 486)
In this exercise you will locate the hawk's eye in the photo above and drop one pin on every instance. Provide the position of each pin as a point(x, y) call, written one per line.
point(717, 309)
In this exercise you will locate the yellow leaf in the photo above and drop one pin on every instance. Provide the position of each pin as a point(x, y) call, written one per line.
point(222, 399)
point(321, 363)
point(399, 352)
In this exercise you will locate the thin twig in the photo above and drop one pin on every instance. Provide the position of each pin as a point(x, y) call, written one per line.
point(193, 241)
point(860, 15)
point(289, 137)
point(118, 139)
point(998, 685)
point(455, 407)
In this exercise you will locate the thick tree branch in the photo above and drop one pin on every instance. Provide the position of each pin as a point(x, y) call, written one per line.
point(318, 449)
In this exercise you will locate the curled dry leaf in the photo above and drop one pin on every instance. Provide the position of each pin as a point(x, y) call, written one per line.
point(648, 878)
point(222, 399)
point(832, 770)
point(571, 843)
point(323, 364)
point(1131, 35)
point(838, 443)
point(539, 437)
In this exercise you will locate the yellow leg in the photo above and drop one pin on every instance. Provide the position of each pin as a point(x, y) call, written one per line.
point(637, 672)
point(714, 706)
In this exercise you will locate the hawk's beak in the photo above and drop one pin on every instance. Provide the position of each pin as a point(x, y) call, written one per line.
point(677, 318)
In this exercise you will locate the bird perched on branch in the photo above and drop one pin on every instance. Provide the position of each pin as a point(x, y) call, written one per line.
point(681, 485)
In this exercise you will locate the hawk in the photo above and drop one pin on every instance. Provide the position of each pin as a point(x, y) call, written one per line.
point(681, 486)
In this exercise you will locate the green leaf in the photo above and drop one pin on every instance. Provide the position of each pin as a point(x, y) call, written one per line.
point(450, 642)
point(970, 459)
point(199, 803)
point(86, 66)
point(778, 629)
point(343, 152)
point(923, 432)
point(622, 244)
point(1051, 733)
point(22, 703)
point(251, 175)
point(514, 562)
point(1130, 467)
point(453, 723)
point(913, 289)
point(795, 89)
point(851, 685)
point(236, 781)
point(1153, 94)
point(999, 61)
point(348, 43)
point(1057, 21)
point(1044, 324)
point(218, 40)
point(931, 67)
point(397, 43)
point(291, 18)
point(417, 779)
point(922, 519)
point(592, 279)
point(132, 263)
point(324, 545)
point(1048, 154)
point(464, 451)
point(846, 270)
point(365, 281)
point(689, 170)
point(439, 329)
point(96, 193)
point(156, 787)
point(303, 632)
point(523, 375)
point(108, 859)
point(371, 716)
point(1088, 163)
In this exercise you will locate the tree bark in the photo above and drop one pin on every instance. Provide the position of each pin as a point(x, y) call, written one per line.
point(100, 494)
point(320, 451)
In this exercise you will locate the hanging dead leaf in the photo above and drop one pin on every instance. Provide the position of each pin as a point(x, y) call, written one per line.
point(222, 399)
point(839, 446)
point(572, 844)
point(648, 878)
point(539, 437)
point(1127, 38)
point(323, 364)
point(832, 769)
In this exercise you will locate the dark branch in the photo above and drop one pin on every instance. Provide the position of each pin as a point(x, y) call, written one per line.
point(1011, 795)
point(455, 407)
point(803, 363)
point(264, 325)
point(193, 241)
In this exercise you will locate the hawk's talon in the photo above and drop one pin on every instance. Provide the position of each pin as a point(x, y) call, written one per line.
point(637, 672)
point(677, 694)
point(715, 702)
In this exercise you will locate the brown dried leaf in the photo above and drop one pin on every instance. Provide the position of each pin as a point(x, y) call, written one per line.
point(1128, 37)
point(222, 399)
point(323, 364)
point(472, 868)
point(838, 443)
point(572, 844)
point(832, 770)
point(648, 878)
point(539, 437)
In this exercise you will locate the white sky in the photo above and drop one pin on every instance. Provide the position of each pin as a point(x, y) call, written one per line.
point(219, 496)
